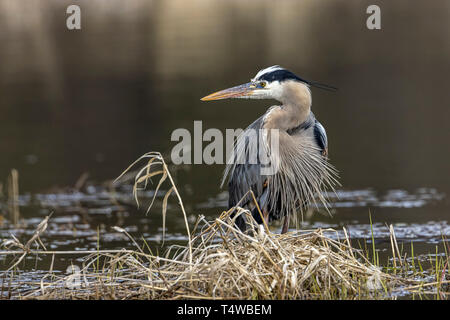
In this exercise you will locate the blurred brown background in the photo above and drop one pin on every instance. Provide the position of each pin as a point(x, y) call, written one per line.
point(95, 99)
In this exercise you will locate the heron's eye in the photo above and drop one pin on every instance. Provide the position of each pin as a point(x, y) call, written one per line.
point(262, 84)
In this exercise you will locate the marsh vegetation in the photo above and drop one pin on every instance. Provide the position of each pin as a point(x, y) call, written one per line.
point(218, 261)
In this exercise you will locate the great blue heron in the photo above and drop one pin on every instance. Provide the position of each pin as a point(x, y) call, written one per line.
point(302, 168)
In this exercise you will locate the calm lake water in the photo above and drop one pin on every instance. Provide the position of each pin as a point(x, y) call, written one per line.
point(93, 100)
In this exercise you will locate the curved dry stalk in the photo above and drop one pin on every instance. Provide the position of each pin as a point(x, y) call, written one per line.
point(145, 174)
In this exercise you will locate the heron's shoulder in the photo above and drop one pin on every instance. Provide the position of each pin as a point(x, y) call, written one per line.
point(320, 135)
point(311, 128)
point(304, 126)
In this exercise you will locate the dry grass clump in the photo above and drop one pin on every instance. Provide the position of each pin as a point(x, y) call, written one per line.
point(226, 264)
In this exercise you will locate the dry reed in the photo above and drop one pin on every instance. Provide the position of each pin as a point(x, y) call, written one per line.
point(13, 196)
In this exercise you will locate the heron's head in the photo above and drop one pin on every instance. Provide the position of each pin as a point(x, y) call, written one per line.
point(271, 83)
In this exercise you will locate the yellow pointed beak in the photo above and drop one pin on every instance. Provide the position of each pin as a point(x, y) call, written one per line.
point(242, 91)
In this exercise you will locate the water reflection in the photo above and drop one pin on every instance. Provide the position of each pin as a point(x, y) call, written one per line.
point(79, 217)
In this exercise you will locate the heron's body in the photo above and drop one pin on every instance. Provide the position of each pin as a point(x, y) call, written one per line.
point(301, 159)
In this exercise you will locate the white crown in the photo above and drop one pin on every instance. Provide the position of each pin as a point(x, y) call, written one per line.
point(266, 70)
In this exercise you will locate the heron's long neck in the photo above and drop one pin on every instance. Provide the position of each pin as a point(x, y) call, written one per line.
point(296, 107)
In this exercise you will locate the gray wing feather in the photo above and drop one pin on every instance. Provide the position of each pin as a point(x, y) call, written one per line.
point(243, 177)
